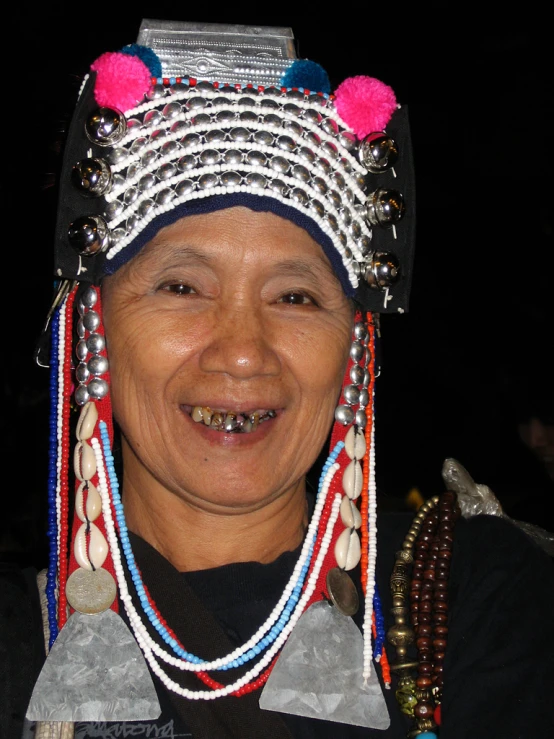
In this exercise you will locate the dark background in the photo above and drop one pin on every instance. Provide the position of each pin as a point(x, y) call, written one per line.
point(471, 360)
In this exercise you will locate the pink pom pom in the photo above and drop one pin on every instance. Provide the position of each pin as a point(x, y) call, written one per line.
point(365, 104)
point(121, 80)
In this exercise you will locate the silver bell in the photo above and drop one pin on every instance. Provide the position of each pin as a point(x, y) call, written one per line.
point(378, 152)
point(92, 177)
point(385, 207)
point(383, 270)
point(89, 235)
point(105, 127)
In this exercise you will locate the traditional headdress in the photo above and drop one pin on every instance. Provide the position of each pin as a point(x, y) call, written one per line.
point(193, 119)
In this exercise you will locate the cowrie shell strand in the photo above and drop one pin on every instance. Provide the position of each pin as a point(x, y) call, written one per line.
point(348, 550)
point(354, 444)
point(93, 507)
point(87, 421)
point(352, 480)
point(349, 514)
point(96, 551)
point(84, 461)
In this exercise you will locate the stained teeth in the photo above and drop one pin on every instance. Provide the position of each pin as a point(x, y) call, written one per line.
point(197, 414)
point(229, 421)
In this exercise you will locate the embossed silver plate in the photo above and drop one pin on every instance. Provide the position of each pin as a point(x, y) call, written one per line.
point(220, 52)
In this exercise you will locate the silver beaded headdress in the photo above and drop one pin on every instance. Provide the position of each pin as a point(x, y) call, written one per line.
point(195, 118)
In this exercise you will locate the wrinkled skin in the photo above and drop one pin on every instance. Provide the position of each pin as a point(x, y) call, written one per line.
point(238, 311)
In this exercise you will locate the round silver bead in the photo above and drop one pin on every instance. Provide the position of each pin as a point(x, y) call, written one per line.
point(279, 164)
point(348, 140)
point(95, 343)
point(97, 365)
point(330, 126)
point(318, 207)
point(186, 163)
point(239, 134)
point(312, 138)
point(344, 241)
point(209, 156)
point(323, 165)
point(230, 179)
point(383, 271)
point(346, 216)
point(356, 374)
point(221, 100)
point(117, 155)
point(356, 351)
point(133, 123)
point(138, 144)
point(256, 158)
point(360, 180)
point(215, 136)
point(179, 87)
point(364, 397)
point(180, 127)
point(301, 173)
point(204, 86)
point(360, 419)
point(272, 120)
point(335, 198)
point(351, 394)
point(318, 100)
point(155, 92)
point(293, 127)
point(248, 102)
point(299, 196)
point(81, 350)
point(378, 152)
point(130, 195)
point(360, 331)
point(149, 157)
point(146, 182)
point(357, 268)
point(332, 221)
point(344, 415)
point(105, 127)
point(346, 165)
point(171, 110)
point(201, 119)
point(291, 108)
point(92, 177)
point(207, 181)
point(116, 235)
point(196, 103)
point(285, 143)
point(247, 116)
point(82, 373)
point(385, 207)
point(113, 209)
point(227, 90)
point(364, 244)
point(294, 95)
point(169, 148)
point(82, 395)
point(339, 179)
point(153, 118)
point(80, 328)
point(306, 153)
point(320, 185)
point(225, 116)
point(89, 298)
point(355, 229)
point(263, 137)
point(312, 115)
point(89, 235)
point(232, 157)
point(118, 180)
point(367, 377)
point(165, 196)
point(184, 188)
point(253, 179)
point(190, 140)
point(278, 186)
point(97, 388)
point(145, 207)
point(273, 91)
point(91, 320)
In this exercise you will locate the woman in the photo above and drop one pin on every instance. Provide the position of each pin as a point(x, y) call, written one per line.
point(239, 259)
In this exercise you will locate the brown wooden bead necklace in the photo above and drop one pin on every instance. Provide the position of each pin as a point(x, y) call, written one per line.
point(420, 610)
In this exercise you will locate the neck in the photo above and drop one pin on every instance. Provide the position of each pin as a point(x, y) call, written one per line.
point(193, 537)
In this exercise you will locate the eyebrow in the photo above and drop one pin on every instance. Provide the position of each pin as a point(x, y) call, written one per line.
point(316, 268)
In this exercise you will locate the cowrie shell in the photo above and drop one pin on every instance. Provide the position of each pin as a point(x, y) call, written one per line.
point(87, 421)
point(93, 507)
point(96, 551)
point(348, 550)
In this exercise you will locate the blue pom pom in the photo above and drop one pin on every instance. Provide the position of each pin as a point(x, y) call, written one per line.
point(146, 55)
point(306, 74)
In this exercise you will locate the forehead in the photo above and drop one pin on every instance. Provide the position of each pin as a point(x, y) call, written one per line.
point(254, 239)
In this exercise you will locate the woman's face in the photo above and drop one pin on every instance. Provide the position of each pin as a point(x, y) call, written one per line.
point(238, 312)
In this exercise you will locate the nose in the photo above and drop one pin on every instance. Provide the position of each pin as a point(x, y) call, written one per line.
point(241, 345)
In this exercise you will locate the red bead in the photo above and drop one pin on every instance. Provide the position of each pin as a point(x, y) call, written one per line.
point(437, 715)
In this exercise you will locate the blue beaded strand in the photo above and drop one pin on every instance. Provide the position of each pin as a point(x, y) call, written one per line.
point(52, 531)
point(379, 624)
point(137, 581)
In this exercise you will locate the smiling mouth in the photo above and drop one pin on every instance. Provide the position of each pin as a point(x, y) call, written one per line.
point(229, 422)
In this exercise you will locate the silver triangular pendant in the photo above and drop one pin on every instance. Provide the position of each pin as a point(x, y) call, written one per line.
point(319, 673)
point(95, 672)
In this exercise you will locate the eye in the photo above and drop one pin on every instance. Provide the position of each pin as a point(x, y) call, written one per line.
point(297, 298)
point(178, 288)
